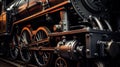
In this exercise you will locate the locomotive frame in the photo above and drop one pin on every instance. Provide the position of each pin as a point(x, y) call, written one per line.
point(68, 30)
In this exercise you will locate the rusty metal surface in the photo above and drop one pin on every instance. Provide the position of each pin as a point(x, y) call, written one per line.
point(3, 22)
point(42, 12)
point(69, 32)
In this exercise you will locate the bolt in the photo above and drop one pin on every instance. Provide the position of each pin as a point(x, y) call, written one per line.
point(74, 51)
point(96, 54)
point(87, 51)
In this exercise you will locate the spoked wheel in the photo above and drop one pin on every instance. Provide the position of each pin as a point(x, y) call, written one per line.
point(42, 58)
point(61, 62)
point(25, 40)
point(14, 51)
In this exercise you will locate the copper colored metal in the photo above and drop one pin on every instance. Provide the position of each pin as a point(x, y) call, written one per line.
point(3, 22)
point(39, 42)
point(69, 32)
point(49, 10)
point(49, 49)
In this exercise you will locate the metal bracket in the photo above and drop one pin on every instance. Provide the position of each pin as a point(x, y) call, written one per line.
point(64, 20)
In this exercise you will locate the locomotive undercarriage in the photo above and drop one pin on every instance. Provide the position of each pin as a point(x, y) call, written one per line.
point(82, 42)
point(91, 44)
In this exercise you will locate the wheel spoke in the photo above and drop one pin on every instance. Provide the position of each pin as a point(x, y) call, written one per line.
point(37, 37)
point(16, 51)
point(58, 64)
point(25, 38)
point(45, 57)
point(14, 41)
point(61, 64)
point(40, 35)
point(22, 40)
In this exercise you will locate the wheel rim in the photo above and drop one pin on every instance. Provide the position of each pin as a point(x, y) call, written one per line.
point(14, 48)
point(24, 41)
point(42, 58)
point(60, 62)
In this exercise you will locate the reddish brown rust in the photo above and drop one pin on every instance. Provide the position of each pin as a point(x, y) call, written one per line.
point(69, 32)
point(49, 10)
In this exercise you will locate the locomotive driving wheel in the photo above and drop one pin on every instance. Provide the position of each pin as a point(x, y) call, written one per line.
point(61, 62)
point(25, 40)
point(14, 51)
point(42, 58)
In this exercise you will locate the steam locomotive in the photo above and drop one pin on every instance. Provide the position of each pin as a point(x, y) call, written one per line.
point(61, 33)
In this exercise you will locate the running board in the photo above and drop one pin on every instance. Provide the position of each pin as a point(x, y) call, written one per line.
point(45, 49)
point(68, 32)
point(49, 10)
point(84, 30)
